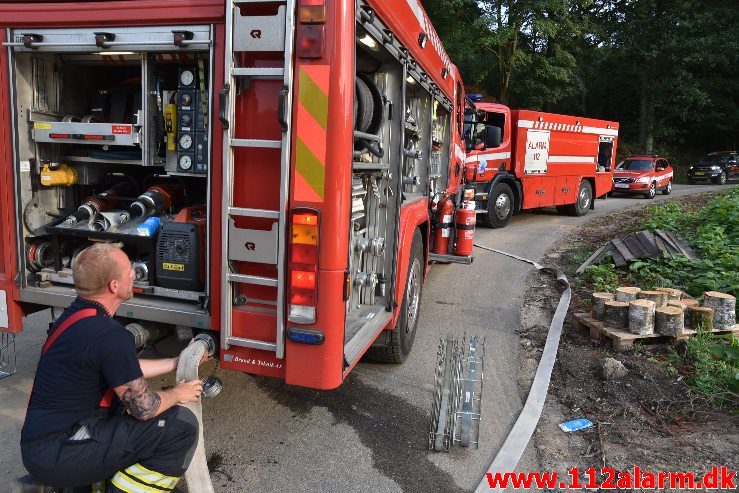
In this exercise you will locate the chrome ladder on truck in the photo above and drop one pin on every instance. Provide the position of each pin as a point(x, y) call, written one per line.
point(275, 34)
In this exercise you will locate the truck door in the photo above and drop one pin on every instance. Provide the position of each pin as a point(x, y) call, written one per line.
point(10, 311)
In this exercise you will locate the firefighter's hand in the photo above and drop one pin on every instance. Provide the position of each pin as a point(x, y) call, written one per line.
point(188, 391)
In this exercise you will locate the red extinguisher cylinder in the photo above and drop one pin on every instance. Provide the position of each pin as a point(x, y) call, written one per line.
point(465, 229)
point(443, 227)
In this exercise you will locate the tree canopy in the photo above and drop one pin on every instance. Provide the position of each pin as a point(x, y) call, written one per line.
point(667, 70)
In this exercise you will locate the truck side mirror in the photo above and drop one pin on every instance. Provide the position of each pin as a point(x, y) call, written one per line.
point(492, 136)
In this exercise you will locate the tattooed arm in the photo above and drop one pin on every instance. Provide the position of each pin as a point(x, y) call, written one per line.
point(143, 403)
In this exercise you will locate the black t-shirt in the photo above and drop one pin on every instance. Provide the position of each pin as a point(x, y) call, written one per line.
point(91, 356)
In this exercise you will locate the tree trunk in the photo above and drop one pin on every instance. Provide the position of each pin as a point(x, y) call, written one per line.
point(672, 293)
point(724, 309)
point(701, 318)
point(641, 317)
point(670, 321)
point(599, 300)
point(659, 297)
point(616, 314)
point(627, 293)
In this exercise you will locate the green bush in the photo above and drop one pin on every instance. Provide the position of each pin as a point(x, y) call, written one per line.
point(714, 366)
point(713, 231)
point(604, 277)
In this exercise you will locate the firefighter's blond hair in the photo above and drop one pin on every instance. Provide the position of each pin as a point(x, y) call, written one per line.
point(93, 269)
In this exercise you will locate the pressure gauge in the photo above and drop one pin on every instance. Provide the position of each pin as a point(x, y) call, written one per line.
point(185, 99)
point(185, 120)
point(187, 77)
point(185, 141)
point(185, 162)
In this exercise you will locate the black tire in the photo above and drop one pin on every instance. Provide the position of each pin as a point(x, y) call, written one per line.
point(611, 193)
point(365, 106)
point(584, 199)
point(721, 179)
point(668, 189)
point(652, 191)
point(402, 336)
point(500, 207)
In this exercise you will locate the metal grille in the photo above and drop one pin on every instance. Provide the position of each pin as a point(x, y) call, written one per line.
point(7, 354)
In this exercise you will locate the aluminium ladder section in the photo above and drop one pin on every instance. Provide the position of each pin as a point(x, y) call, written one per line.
point(234, 40)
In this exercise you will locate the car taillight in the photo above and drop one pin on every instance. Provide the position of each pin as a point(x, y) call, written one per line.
point(303, 293)
point(311, 31)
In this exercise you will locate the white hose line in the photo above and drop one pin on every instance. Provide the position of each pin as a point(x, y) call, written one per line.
point(197, 475)
point(510, 453)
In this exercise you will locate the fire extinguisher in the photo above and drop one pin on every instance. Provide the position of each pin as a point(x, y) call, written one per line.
point(443, 226)
point(465, 225)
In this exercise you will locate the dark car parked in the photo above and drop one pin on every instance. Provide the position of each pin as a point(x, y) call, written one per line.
point(716, 167)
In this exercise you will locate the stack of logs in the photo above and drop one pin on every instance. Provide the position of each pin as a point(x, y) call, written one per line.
point(664, 310)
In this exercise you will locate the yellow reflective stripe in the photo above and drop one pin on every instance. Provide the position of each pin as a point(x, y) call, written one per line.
point(152, 477)
point(124, 483)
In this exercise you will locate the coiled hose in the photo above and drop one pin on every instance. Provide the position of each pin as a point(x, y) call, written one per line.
point(197, 475)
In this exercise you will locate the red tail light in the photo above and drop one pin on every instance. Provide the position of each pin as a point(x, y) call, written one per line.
point(312, 15)
point(303, 293)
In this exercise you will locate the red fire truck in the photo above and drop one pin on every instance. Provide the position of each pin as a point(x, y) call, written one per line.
point(527, 159)
point(271, 168)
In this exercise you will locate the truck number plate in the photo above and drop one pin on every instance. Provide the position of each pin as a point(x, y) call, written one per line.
point(699, 173)
point(622, 185)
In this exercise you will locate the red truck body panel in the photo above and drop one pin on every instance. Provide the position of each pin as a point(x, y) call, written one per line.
point(256, 170)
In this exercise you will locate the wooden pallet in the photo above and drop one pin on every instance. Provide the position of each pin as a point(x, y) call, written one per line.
point(623, 339)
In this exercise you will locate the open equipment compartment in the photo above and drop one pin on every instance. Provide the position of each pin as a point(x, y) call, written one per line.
point(113, 146)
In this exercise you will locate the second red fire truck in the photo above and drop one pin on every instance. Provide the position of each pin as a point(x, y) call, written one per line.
point(519, 159)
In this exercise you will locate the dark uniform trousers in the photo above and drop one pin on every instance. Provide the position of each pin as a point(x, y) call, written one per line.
point(136, 456)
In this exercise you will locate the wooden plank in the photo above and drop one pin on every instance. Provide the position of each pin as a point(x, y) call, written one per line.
point(635, 246)
point(618, 259)
point(671, 246)
point(595, 257)
point(649, 243)
point(623, 250)
point(662, 247)
point(683, 246)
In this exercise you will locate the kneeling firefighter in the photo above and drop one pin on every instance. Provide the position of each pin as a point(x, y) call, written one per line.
point(73, 436)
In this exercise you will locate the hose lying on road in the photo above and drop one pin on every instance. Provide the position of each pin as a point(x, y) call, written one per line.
point(519, 436)
point(197, 475)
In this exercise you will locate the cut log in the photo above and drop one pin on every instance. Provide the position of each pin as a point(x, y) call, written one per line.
point(616, 314)
point(599, 300)
point(670, 321)
point(724, 309)
point(701, 318)
point(641, 317)
point(659, 297)
point(685, 306)
point(672, 293)
point(627, 293)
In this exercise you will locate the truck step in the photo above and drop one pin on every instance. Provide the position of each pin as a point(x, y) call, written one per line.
point(246, 212)
point(259, 73)
point(258, 280)
point(259, 143)
point(252, 343)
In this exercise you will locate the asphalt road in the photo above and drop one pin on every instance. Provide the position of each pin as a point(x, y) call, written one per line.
point(370, 434)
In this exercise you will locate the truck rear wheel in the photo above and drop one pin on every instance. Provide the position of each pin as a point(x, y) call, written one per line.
point(400, 340)
point(584, 200)
point(500, 207)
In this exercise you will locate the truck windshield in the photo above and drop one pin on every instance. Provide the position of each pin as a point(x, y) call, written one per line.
point(635, 164)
